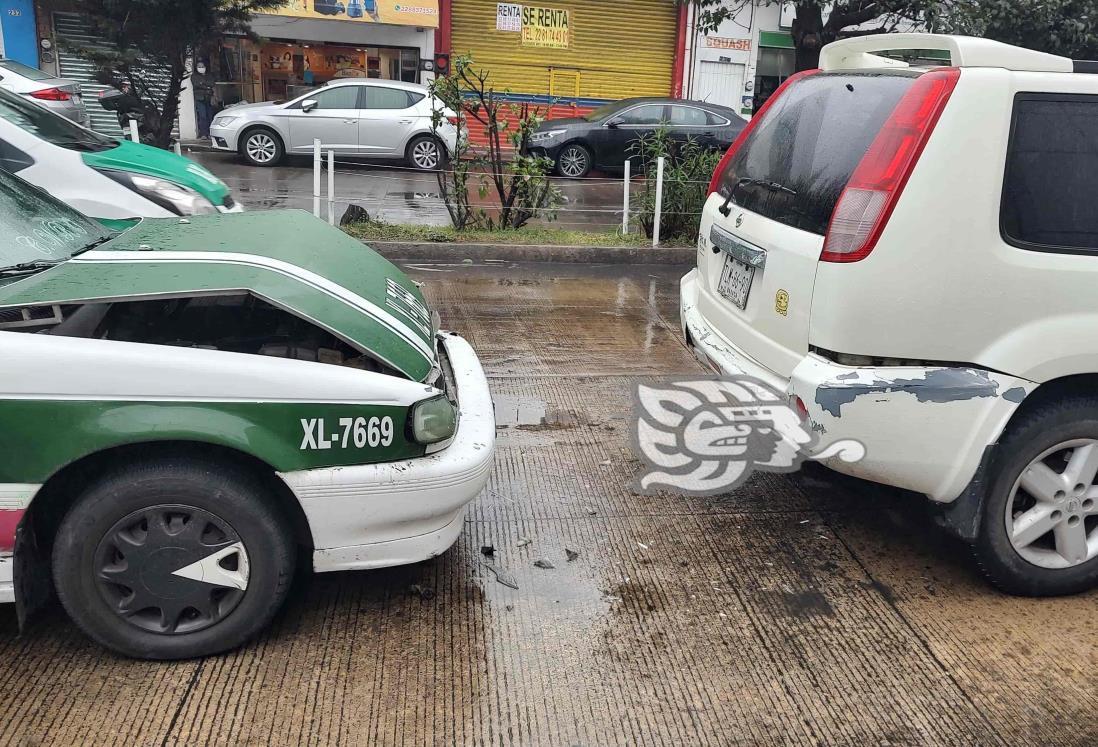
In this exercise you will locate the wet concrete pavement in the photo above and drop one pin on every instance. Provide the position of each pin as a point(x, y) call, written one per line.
point(396, 194)
point(800, 609)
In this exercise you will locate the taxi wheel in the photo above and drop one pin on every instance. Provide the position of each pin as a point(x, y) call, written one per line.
point(1039, 528)
point(173, 559)
point(262, 147)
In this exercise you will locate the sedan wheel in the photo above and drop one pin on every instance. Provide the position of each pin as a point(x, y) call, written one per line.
point(261, 148)
point(1051, 516)
point(426, 154)
point(574, 161)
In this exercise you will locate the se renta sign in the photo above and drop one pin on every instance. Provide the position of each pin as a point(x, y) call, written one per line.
point(546, 27)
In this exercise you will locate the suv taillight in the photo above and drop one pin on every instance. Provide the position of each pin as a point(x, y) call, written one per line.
point(727, 159)
point(51, 94)
point(875, 186)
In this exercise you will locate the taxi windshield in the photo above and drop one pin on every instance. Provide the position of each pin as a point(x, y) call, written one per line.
point(39, 230)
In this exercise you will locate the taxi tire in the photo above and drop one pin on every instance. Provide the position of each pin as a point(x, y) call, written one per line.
point(220, 488)
point(1034, 432)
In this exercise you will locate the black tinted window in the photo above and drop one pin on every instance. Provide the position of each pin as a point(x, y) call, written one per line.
point(715, 120)
point(1052, 173)
point(649, 114)
point(798, 159)
point(688, 116)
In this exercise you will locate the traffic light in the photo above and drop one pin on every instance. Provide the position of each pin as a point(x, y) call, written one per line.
point(442, 64)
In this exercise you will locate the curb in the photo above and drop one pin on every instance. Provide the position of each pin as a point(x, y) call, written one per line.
point(432, 251)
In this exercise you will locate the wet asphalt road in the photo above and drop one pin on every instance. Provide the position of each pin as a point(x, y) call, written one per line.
point(796, 610)
point(396, 194)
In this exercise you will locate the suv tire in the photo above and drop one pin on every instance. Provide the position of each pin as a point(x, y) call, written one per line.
point(261, 146)
point(127, 556)
point(1038, 547)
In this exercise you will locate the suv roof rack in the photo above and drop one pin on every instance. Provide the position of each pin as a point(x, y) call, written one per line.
point(964, 51)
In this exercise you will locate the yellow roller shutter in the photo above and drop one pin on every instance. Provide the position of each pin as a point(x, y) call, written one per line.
point(616, 49)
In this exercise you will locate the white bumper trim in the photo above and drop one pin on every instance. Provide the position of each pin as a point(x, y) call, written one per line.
point(365, 516)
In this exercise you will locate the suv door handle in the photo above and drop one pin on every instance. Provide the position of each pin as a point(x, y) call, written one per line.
point(404, 121)
point(350, 121)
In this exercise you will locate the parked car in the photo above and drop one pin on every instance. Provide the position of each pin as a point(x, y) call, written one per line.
point(192, 409)
point(605, 138)
point(370, 119)
point(102, 176)
point(911, 254)
point(59, 95)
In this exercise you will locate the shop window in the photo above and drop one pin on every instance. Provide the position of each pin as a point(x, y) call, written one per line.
point(774, 66)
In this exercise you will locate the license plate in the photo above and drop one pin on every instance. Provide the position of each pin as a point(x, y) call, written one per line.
point(735, 281)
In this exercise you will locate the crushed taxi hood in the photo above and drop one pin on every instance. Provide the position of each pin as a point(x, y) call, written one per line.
point(286, 257)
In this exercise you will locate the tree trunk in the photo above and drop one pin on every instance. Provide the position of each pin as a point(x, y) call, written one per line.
point(170, 109)
point(808, 36)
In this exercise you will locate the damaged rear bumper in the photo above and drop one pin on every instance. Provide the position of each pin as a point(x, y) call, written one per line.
point(924, 429)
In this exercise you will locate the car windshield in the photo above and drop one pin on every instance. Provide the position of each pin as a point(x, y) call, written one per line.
point(606, 111)
point(31, 73)
point(53, 128)
point(40, 230)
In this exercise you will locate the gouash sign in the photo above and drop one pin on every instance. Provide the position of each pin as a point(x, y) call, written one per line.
point(546, 27)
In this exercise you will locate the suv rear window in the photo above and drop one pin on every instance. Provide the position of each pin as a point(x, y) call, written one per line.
point(1051, 173)
point(796, 162)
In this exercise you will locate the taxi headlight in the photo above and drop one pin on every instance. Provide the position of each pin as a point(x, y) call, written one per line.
point(434, 420)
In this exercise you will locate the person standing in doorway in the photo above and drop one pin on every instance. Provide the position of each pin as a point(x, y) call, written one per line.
point(202, 85)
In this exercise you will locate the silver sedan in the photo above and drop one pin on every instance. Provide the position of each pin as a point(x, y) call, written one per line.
point(381, 119)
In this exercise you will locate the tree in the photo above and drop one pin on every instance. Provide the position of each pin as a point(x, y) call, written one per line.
point(1063, 27)
point(811, 32)
point(161, 35)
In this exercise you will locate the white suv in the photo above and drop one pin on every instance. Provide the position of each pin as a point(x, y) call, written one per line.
point(912, 255)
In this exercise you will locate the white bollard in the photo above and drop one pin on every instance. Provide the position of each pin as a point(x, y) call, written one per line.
point(134, 136)
point(178, 148)
point(625, 201)
point(659, 203)
point(316, 177)
point(331, 188)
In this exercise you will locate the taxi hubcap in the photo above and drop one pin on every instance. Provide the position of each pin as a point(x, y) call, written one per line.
point(172, 569)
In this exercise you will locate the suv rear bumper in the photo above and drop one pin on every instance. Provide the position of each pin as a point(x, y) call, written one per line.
point(923, 428)
point(379, 515)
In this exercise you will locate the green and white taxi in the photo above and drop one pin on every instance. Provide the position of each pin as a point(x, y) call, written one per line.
point(186, 403)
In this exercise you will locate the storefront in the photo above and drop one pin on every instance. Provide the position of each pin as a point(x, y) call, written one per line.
point(571, 54)
point(307, 43)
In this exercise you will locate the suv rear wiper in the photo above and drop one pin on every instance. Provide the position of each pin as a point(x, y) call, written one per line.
point(725, 210)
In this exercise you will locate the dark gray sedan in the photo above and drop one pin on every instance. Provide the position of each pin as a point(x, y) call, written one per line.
point(604, 138)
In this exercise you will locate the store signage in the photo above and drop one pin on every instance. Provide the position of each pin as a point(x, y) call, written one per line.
point(508, 17)
point(546, 27)
point(397, 12)
point(722, 42)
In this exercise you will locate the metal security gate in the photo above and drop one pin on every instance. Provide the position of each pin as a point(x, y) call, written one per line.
point(77, 30)
point(614, 50)
point(720, 83)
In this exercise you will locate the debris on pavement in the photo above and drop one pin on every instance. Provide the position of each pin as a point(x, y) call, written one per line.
point(642, 546)
point(523, 542)
point(570, 554)
point(502, 576)
point(590, 511)
point(422, 592)
point(487, 550)
point(544, 563)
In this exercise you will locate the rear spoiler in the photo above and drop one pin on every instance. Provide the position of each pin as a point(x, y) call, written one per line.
point(964, 51)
